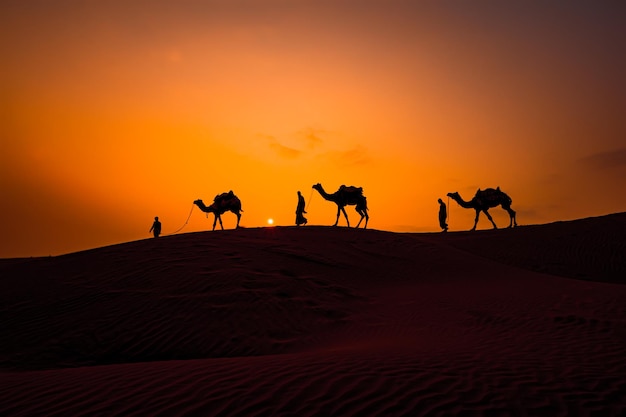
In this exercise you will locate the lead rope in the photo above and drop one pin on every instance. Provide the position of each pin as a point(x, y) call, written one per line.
point(186, 221)
point(309, 202)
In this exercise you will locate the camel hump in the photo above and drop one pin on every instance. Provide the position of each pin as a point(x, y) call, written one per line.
point(492, 195)
point(487, 192)
point(351, 189)
point(224, 197)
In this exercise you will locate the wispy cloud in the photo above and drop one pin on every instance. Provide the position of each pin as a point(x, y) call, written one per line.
point(605, 160)
point(308, 143)
point(285, 151)
point(280, 150)
point(355, 156)
point(312, 137)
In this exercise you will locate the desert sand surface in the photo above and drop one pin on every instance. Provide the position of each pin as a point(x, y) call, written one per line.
point(322, 321)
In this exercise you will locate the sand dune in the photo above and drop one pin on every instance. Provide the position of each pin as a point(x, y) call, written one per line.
point(322, 321)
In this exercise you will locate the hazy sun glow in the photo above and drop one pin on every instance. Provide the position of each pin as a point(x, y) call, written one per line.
point(270, 221)
point(115, 112)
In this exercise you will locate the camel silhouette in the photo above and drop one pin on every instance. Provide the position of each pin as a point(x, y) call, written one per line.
point(347, 196)
point(483, 201)
point(222, 203)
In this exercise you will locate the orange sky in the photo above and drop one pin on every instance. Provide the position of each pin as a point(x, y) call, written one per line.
point(115, 112)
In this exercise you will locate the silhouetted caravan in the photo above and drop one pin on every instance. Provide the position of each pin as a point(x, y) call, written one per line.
point(483, 201)
point(347, 196)
point(222, 203)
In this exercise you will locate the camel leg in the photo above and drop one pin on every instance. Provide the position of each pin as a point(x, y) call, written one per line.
point(345, 215)
point(338, 213)
point(360, 214)
point(238, 218)
point(512, 216)
point(365, 224)
point(218, 217)
point(363, 214)
point(490, 219)
point(475, 220)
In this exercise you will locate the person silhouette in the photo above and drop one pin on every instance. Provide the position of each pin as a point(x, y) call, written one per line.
point(443, 214)
point(300, 219)
point(156, 227)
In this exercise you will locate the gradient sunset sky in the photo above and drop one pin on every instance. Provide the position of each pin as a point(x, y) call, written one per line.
point(113, 112)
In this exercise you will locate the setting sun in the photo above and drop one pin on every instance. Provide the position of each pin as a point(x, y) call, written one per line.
point(270, 221)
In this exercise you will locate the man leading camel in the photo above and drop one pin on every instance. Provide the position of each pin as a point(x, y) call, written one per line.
point(300, 219)
point(443, 215)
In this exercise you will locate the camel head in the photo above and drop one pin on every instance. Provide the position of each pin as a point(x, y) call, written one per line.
point(201, 205)
point(317, 186)
point(454, 195)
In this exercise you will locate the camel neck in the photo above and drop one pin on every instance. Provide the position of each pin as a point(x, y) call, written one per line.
point(203, 207)
point(463, 203)
point(324, 194)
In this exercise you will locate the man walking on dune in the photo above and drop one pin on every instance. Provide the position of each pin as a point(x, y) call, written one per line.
point(443, 215)
point(156, 227)
point(300, 219)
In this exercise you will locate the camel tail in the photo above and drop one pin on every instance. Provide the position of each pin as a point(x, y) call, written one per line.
point(364, 207)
